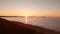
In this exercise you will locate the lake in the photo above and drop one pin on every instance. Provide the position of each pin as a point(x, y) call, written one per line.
point(49, 23)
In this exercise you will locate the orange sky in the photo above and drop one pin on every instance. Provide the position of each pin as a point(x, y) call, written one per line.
point(30, 8)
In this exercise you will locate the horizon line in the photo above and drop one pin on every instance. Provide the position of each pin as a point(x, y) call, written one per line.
point(30, 16)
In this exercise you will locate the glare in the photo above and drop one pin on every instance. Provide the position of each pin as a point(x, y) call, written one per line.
point(26, 18)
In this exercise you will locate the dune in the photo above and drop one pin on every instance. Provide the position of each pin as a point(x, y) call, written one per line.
point(13, 27)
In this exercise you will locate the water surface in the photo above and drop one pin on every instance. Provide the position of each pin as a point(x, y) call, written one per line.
point(49, 23)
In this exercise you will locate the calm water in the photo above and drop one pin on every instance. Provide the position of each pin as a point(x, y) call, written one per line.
point(49, 23)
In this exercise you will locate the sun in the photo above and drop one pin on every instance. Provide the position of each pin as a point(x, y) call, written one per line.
point(26, 18)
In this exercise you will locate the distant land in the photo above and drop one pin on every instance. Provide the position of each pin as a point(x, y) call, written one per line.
point(32, 16)
point(11, 16)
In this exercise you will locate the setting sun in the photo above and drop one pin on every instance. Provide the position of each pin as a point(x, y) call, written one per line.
point(26, 17)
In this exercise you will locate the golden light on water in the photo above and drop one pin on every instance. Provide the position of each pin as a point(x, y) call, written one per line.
point(26, 17)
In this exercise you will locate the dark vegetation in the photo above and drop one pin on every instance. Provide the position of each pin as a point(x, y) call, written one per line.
point(12, 27)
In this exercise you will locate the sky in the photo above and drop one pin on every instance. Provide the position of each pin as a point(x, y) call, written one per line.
point(30, 7)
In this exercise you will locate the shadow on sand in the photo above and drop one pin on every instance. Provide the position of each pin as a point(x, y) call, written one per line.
point(12, 27)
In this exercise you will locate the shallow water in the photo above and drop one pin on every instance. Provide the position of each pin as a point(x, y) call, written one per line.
point(49, 23)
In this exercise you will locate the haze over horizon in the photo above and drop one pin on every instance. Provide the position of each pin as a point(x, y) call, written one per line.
point(30, 8)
